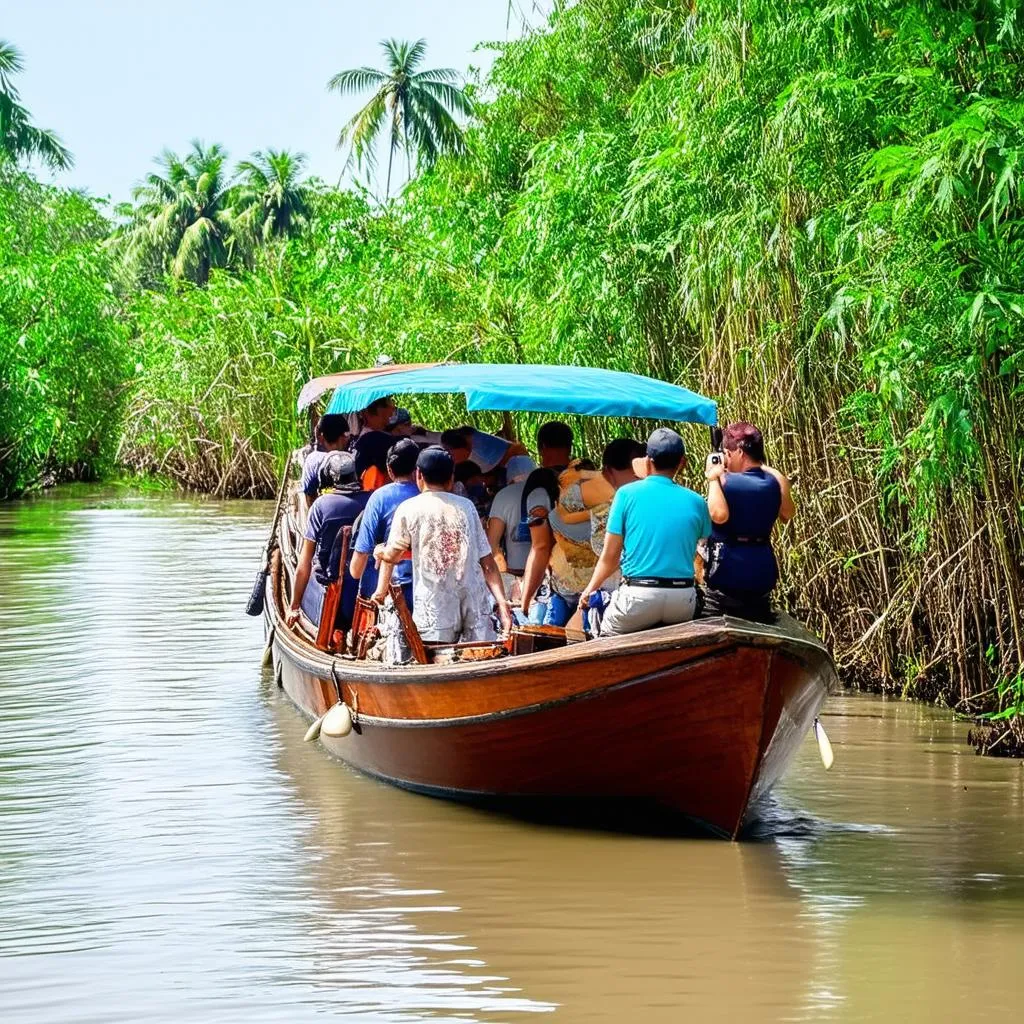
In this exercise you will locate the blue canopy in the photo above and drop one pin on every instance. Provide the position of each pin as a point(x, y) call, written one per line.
point(585, 390)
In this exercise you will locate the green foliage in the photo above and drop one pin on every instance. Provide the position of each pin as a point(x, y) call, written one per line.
point(64, 356)
point(418, 108)
point(271, 200)
point(193, 216)
point(20, 140)
point(221, 366)
point(182, 224)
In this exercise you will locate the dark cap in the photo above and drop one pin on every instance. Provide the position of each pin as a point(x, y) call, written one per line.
point(336, 470)
point(436, 464)
point(665, 443)
point(402, 456)
point(399, 418)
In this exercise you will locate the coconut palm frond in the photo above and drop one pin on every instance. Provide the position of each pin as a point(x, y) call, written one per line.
point(417, 109)
point(272, 200)
point(356, 80)
point(448, 76)
point(184, 218)
point(20, 139)
point(11, 63)
point(361, 133)
point(199, 243)
point(449, 96)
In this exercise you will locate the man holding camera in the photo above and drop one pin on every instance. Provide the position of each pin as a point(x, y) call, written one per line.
point(745, 498)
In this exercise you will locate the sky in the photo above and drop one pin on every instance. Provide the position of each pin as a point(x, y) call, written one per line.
point(121, 80)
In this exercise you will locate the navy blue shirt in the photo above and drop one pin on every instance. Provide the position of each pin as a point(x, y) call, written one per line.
point(374, 530)
point(743, 559)
point(311, 473)
point(331, 512)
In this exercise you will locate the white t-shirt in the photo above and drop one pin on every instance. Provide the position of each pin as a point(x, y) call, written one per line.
point(450, 598)
point(506, 507)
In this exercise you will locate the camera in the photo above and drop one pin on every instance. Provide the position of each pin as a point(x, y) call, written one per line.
point(716, 458)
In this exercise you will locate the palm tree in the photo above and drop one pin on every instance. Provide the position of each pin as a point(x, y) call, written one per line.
point(19, 138)
point(271, 200)
point(419, 107)
point(183, 222)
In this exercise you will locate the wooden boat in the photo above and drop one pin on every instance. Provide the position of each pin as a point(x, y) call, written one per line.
point(699, 719)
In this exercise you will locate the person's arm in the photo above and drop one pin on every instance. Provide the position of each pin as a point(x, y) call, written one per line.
point(718, 507)
point(370, 526)
point(302, 574)
point(398, 542)
point(515, 448)
point(610, 560)
point(357, 566)
point(309, 485)
point(389, 553)
point(596, 491)
point(384, 575)
point(788, 508)
point(495, 531)
point(493, 579)
point(542, 542)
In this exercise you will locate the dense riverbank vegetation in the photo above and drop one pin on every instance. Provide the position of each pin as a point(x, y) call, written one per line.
point(811, 212)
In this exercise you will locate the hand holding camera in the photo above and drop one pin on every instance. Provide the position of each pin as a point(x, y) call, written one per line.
point(714, 467)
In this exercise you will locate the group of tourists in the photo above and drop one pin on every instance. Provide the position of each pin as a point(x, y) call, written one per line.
point(479, 535)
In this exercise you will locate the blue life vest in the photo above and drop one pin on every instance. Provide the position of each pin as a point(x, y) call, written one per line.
point(742, 559)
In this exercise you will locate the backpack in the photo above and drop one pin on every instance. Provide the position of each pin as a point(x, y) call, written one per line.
point(546, 478)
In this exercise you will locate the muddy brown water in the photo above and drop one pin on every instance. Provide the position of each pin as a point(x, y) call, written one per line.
point(170, 849)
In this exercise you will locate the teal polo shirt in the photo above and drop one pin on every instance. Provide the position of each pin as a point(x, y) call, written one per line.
point(659, 523)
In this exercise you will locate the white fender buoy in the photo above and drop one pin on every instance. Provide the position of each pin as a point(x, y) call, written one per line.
point(337, 722)
point(824, 747)
point(314, 730)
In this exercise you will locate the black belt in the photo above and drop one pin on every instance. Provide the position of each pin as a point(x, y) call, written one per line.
point(658, 581)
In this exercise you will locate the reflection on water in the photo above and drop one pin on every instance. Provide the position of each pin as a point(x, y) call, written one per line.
point(170, 849)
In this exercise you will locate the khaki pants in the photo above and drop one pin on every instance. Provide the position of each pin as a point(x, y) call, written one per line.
point(635, 608)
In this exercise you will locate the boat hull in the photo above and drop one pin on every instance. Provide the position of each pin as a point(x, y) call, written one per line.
point(700, 719)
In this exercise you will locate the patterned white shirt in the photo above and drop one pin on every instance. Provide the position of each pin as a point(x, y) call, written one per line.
point(451, 602)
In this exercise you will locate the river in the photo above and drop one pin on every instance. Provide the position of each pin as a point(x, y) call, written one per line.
point(171, 850)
